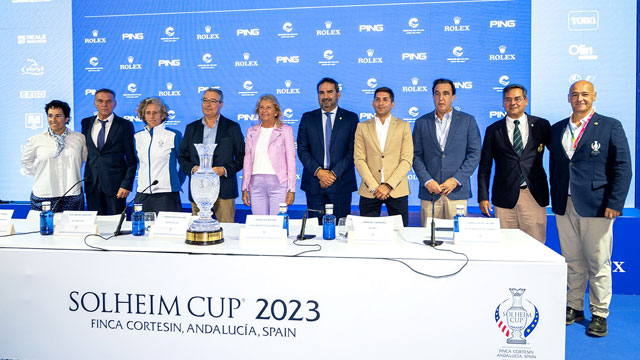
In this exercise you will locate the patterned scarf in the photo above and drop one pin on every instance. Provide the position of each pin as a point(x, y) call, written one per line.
point(60, 139)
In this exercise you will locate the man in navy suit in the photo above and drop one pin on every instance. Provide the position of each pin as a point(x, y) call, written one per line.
point(111, 161)
point(590, 173)
point(213, 128)
point(446, 153)
point(325, 148)
point(516, 143)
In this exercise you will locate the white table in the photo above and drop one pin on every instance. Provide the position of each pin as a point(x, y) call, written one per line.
point(150, 297)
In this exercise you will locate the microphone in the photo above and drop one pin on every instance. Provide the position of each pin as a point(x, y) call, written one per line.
point(124, 212)
point(53, 209)
point(433, 242)
point(302, 235)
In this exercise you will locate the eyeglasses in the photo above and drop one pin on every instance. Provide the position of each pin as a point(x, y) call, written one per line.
point(517, 100)
point(210, 101)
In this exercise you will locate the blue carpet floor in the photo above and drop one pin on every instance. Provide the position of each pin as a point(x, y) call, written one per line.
point(623, 340)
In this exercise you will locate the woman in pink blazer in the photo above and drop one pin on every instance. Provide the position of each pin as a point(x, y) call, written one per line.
point(269, 172)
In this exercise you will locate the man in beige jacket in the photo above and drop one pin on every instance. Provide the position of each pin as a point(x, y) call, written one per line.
point(383, 155)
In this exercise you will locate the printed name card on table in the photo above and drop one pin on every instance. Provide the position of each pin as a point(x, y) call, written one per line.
point(477, 230)
point(77, 223)
point(6, 227)
point(263, 227)
point(372, 230)
point(170, 224)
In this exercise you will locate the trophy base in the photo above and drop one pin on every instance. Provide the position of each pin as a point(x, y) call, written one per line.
point(204, 237)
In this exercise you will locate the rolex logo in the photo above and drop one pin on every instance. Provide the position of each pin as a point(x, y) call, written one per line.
point(207, 29)
point(456, 20)
point(327, 24)
point(130, 59)
point(287, 83)
point(246, 56)
point(169, 86)
point(95, 33)
point(414, 81)
point(502, 49)
point(370, 52)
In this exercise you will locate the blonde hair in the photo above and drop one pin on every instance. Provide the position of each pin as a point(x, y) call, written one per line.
point(272, 99)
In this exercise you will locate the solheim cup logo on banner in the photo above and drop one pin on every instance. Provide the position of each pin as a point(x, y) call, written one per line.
point(207, 62)
point(288, 33)
point(132, 91)
point(372, 83)
point(94, 62)
point(413, 113)
point(32, 68)
point(457, 56)
point(245, 61)
point(288, 90)
point(248, 89)
point(95, 39)
point(171, 118)
point(456, 25)
point(328, 30)
point(516, 319)
point(370, 59)
point(207, 35)
point(502, 56)
point(503, 81)
point(415, 87)
point(288, 116)
point(169, 35)
point(33, 121)
point(414, 27)
point(328, 58)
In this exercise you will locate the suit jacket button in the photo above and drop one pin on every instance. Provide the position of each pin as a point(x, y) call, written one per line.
point(378, 170)
point(444, 156)
point(383, 156)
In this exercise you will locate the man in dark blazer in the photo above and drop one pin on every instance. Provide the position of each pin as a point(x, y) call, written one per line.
point(590, 173)
point(328, 177)
point(213, 128)
point(446, 153)
point(516, 143)
point(111, 161)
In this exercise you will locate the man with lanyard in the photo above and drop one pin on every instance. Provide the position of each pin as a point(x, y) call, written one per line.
point(590, 173)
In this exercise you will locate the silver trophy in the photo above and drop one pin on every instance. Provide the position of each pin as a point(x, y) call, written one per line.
point(205, 187)
point(517, 317)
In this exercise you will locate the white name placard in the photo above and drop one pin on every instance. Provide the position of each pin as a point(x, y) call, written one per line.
point(76, 223)
point(263, 227)
point(477, 229)
point(6, 227)
point(372, 229)
point(170, 224)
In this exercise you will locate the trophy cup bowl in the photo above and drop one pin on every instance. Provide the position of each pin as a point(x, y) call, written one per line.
point(205, 187)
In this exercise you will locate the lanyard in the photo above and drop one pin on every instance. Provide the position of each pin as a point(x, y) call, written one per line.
point(575, 140)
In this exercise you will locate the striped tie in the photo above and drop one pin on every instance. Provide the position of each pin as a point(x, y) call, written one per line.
point(517, 144)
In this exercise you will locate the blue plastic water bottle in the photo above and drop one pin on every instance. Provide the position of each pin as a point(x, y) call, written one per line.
point(329, 223)
point(137, 220)
point(46, 219)
point(459, 214)
point(283, 213)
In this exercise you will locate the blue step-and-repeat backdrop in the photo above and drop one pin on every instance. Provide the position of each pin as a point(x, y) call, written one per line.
point(176, 53)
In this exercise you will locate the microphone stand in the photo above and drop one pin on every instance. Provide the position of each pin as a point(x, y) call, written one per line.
point(124, 212)
point(302, 235)
point(433, 242)
point(53, 209)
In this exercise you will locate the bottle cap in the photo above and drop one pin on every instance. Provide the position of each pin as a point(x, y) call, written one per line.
point(137, 207)
point(328, 206)
point(283, 204)
point(46, 205)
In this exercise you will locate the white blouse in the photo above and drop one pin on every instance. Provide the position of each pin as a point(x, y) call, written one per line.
point(54, 176)
point(261, 160)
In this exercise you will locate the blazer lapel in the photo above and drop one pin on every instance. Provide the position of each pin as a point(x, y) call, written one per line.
point(589, 133)
point(503, 132)
point(373, 133)
point(431, 124)
point(277, 132)
point(532, 127)
point(393, 125)
point(453, 126)
point(113, 131)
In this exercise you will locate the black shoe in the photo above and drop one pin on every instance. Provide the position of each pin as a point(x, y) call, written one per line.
point(574, 315)
point(597, 326)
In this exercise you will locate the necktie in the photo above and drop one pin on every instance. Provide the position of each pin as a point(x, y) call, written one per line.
point(517, 143)
point(327, 138)
point(101, 134)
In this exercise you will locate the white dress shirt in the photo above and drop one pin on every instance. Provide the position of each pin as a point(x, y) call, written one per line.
point(54, 176)
point(442, 128)
point(261, 160)
point(567, 141)
point(382, 130)
point(324, 130)
point(524, 129)
point(97, 126)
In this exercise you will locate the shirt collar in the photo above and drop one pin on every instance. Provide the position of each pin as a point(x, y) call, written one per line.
point(582, 121)
point(522, 119)
point(109, 119)
point(204, 122)
point(386, 120)
point(446, 116)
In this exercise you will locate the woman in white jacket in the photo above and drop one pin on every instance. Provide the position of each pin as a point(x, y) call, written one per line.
point(157, 149)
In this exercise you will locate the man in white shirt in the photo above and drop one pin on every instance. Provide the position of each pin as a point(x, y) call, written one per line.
point(383, 154)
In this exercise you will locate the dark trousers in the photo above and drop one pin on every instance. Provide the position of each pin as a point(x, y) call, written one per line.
point(164, 201)
point(104, 204)
point(395, 206)
point(341, 204)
